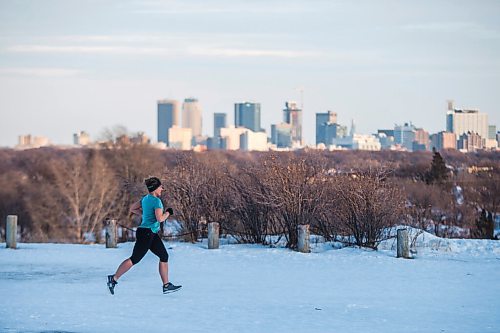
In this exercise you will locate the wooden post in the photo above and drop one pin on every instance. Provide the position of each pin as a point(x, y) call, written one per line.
point(11, 231)
point(213, 235)
point(403, 244)
point(303, 240)
point(111, 234)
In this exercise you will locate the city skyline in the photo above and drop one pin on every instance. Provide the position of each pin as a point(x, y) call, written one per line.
point(61, 72)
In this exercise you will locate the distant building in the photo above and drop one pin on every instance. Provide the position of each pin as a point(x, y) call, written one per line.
point(232, 136)
point(386, 142)
point(192, 116)
point(220, 121)
point(81, 138)
point(323, 120)
point(293, 115)
point(140, 139)
point(443, 140)
point(405, 135)
point(387, 132)
point(217, 143)
point(168, 116)
point(180, 138)
point(247, 115)
point(466, 120)
point(327, 128)
point(470, 142)
point(492, 132)
point(253, 141)
point(281, 135)
point(358, 142)
point(241, 138)
point(28, 141)
point(490, 144)
point(123, 140)
point(422, 140)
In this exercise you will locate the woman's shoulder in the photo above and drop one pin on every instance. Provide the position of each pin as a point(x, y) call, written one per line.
point(151, 198)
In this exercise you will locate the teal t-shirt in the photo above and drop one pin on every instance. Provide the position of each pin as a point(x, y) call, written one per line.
point(149, 204)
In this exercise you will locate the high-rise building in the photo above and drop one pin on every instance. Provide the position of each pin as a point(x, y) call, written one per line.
point(192, 116)
point(405, 135)
point(466, 120)
point(293, 115)
point(322, 122)
point(247, 115)
point(219, 122)
point(281, 135)
point(168, 116)
point(470, 142)
point(443, 140)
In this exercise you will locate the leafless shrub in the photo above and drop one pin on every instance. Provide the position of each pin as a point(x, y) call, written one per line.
point(367, 204)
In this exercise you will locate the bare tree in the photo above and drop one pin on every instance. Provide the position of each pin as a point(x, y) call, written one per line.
point(81, 192)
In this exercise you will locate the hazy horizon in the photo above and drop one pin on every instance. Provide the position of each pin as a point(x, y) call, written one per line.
point(67, 65)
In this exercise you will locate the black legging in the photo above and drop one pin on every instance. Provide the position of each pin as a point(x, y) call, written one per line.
point(148, 240)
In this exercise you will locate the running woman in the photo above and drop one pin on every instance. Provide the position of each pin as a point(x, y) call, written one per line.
point(147, 237)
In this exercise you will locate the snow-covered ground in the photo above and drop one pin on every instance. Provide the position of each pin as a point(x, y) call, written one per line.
point(451, 286)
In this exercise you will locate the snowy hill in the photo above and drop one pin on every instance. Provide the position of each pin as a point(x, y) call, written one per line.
point(451, 286)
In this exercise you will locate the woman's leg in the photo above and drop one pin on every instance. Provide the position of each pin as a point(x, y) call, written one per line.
point(163, 268)
point(158, 248)
point(141, 247)
point(123, 268)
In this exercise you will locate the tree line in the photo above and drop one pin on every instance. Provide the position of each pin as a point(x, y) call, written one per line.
point(61, 195)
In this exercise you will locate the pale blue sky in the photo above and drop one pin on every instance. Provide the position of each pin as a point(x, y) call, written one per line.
point(71, 65)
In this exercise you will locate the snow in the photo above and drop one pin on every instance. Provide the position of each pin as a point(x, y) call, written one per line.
point(450, 286)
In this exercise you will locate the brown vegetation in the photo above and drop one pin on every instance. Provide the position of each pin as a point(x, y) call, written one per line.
point(60, 195)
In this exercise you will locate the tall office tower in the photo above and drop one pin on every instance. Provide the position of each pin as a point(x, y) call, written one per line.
point(168, 116)
point(293, 115)
point(219, 122)
point(281, 135)
point(327, 127)
point(247, 115)
point(466, 120)
point(191, 116)
point(405, 135)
